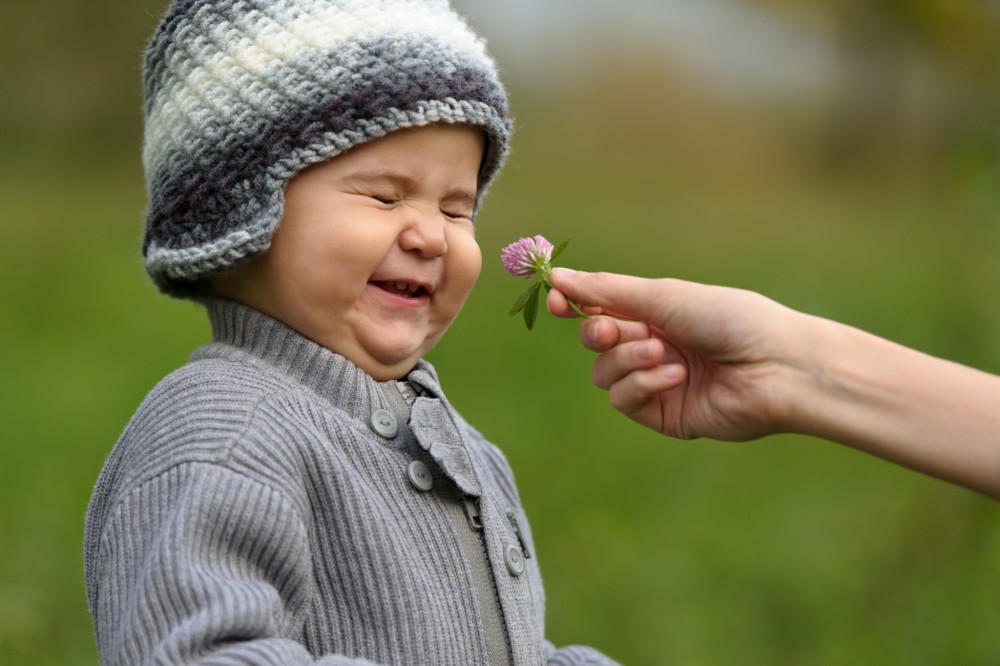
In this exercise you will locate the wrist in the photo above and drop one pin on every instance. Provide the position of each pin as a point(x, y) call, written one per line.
point(814, 384)
point(899, 404)
point(858, 389)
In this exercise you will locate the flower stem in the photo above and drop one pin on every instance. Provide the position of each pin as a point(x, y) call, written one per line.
point(546, 273)
point(576, 308)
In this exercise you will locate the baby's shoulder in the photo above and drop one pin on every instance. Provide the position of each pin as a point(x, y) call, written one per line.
point(210, 417)
point(210, 390)
point(196, 412)
point(209, 377)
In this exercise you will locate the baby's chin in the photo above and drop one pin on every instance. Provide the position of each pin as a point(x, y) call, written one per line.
point(386, 359)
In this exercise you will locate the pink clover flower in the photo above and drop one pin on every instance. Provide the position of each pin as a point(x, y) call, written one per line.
point(527, 257)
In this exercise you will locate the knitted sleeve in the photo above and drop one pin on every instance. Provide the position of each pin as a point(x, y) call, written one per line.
point(576, 655)
point(202, 565)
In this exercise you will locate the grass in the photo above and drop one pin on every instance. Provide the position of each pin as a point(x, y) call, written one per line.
point(785, 551)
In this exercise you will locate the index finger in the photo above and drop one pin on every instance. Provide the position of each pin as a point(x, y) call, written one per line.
point(631, 296)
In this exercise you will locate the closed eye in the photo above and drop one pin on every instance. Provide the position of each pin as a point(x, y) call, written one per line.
point(457, 215)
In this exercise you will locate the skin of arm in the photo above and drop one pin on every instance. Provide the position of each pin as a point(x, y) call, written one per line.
point(692, 360)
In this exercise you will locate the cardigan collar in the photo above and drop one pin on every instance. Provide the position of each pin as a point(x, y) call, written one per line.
point(241, 332)
point(246, 335)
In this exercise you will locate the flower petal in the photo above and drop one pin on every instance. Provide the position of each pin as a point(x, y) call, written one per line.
point(527, 256)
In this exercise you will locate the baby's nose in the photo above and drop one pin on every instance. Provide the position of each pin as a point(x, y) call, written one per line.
point(425, 232)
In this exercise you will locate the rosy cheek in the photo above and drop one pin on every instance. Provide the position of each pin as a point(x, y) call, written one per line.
point(465, 274)
point(477, 264)
point(467, 253)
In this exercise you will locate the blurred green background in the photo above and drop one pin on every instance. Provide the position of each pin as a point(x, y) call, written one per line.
point(843, 158)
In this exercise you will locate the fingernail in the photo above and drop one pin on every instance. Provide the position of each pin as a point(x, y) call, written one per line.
point(558, 271)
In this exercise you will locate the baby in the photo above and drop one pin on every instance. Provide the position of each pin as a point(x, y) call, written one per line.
point(302, 491)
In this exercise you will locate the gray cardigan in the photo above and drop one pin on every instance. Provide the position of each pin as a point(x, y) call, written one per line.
point(270, 503)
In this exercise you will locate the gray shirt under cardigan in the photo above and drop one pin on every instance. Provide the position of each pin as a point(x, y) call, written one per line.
point(270, 503)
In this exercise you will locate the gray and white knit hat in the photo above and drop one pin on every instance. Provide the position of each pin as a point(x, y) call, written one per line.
point(240, 95)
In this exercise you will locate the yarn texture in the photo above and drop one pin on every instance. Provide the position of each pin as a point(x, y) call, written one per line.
point(240, 95)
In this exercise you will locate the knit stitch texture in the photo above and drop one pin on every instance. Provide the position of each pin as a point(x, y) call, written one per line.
point(240, 95)
point(249, 514)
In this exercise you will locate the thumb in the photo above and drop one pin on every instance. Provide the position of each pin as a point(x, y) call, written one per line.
point(625, 295)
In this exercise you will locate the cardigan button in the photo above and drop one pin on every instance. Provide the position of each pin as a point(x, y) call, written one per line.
point(420, 476)
point(384, 423)
point(514, 560)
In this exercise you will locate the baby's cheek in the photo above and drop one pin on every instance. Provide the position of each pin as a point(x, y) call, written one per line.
point(465, 261)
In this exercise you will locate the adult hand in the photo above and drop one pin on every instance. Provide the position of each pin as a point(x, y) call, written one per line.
point(686, 359)
point(692, 360)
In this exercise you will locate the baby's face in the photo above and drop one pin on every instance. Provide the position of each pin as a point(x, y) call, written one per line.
point(376, 252)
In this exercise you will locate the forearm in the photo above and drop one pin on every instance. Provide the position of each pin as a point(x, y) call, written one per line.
point(925, 413)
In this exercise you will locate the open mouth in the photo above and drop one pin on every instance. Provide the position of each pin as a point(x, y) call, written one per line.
point(404, 289)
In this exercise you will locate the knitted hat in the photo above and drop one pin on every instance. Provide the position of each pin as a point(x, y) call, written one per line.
point(240, 95)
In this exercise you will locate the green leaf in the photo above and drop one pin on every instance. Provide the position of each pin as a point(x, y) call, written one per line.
point(559, 249)
point(522, 300)
point(531, 307)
